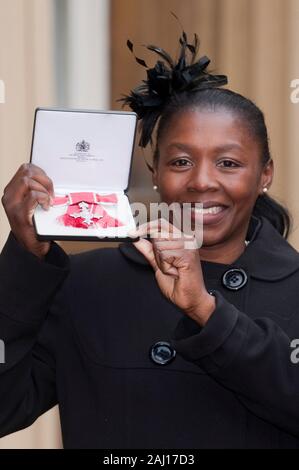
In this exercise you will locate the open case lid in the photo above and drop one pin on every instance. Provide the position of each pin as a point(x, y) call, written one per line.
point(86, 149)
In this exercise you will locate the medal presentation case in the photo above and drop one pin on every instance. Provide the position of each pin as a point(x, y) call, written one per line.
point(88, 156)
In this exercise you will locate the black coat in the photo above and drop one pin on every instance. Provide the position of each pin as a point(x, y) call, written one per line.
point(86, 345)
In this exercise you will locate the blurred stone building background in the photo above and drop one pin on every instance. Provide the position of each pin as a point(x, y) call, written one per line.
point(72, 53)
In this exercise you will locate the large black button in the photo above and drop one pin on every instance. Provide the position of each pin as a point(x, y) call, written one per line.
point(162, 353)
point(234, 279)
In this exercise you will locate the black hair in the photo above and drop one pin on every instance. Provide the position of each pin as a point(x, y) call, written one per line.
point(173, 87)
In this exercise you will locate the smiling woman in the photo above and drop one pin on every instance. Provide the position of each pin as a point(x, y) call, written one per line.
point(211, 148)
point(172, 347)
point(206, 155)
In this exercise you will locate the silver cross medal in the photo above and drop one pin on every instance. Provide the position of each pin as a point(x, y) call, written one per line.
point(85, 213)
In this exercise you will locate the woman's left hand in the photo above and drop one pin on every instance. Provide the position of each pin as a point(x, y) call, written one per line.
point(177, 268)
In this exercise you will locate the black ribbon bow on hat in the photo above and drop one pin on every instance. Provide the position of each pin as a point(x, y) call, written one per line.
point(166, 78)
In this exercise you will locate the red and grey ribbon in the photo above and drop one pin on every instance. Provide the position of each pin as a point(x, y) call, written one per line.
point(85, 210)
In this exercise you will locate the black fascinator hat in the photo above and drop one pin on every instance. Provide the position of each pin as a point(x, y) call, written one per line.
point(166, 79)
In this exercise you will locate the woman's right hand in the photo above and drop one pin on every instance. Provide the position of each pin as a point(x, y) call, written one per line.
point(29, 187)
